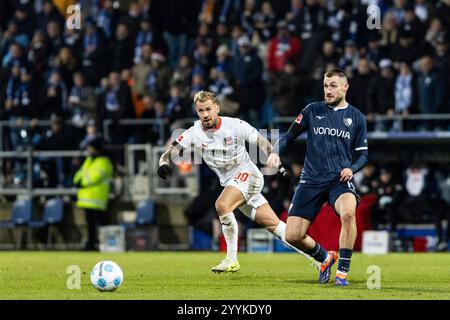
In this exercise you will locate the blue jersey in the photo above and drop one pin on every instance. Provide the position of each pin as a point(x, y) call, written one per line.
point(334, 137)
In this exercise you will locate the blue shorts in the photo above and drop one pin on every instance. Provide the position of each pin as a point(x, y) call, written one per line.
point(309, 198)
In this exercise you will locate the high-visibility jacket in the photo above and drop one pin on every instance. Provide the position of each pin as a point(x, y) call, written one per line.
point(94, 176)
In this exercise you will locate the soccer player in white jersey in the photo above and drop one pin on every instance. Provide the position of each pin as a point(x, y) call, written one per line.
point(221, 143)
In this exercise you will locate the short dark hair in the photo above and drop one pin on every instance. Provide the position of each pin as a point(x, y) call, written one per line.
point(336, 72)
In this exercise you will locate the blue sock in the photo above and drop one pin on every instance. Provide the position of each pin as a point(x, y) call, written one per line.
point(318, 253)
point(345, 256)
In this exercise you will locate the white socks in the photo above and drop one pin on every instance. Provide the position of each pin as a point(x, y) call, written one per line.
point(280, 231)
point(230, 233)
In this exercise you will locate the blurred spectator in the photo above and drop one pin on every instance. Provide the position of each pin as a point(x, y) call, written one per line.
point(158, 80)
point(441, 57)
point(236, 32)
point(49, 13)
point(122, 49)
point(414, 21)
point(399, 10)
point(376, 52)
point(247, 15)
point(57, 138)
point(37, 55)
point(55, 101)
point(15, 55)
point(182, 76)
point(404, 87)
point(176, 107)
point(17, 103)
point(247, 71)
point(222, 35)
point(282, 47)
point(224, 60)
point(224, 92)
point(163, 115)
point(73, 40)
point(11, 37)
point(116, 105)
point(108, 17)
point(66, 64)
point(430, 89)
point(422, 195)
point(389, 194)
point(407, 49)
point(91, 134)
point(360, 84)
point(435, 31)
point(94, 52)
point(81, 101)
point(133, 17)
point(54, 40)
point(287, 90)
point(366, 180)
point(349, 59)
point(141, 69)
point(382, 93)
point(204, 56)
point(147, 133)
point(178, 25)
point(389, 32)
point(144, 36)
point(25, 23)
point(264, 21)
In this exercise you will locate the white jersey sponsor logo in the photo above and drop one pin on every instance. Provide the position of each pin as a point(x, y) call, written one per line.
point(332, 132)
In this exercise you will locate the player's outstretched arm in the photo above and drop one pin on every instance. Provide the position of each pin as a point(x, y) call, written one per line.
point(164, 163)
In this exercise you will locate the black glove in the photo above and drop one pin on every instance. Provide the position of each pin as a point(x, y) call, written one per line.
point(164, 171)
point(284, 174)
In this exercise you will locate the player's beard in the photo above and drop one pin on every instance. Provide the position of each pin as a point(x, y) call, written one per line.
point(335, 102)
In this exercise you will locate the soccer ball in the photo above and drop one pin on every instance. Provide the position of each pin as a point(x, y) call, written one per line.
point(106, 276)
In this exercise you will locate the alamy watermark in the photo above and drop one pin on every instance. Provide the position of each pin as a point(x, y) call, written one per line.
point(374, 17)
point(73, 20)
point(374, 280)
point(74, 280)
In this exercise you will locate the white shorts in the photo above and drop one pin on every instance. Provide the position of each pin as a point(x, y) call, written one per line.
point(250, 181)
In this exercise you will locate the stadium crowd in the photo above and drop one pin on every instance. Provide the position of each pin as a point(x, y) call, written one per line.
point(146, 59)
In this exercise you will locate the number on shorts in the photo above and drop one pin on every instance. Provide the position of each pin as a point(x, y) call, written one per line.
point(242, 176)
point(351, 186)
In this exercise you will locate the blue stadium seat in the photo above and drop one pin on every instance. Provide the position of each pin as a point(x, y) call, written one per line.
point(22, 212)
point(53, 214)
point(145, 214)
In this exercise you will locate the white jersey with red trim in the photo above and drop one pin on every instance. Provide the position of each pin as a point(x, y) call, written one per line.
point(223, 148)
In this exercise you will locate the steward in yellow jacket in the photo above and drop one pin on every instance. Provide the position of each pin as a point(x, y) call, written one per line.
point(93, 181)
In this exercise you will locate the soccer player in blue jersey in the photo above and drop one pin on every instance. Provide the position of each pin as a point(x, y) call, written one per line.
point(336, 149)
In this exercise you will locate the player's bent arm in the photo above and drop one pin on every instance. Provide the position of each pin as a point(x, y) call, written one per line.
point(265, 145)
point(362, 157)
point(283, 143)
point(166, 157)
point(164, 162)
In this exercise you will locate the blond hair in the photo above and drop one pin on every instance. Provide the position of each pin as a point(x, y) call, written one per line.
point(203, 96)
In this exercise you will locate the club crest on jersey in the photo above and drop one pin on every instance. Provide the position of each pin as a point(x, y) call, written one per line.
point(228, 141)
point(348, 122)
point(299, 119)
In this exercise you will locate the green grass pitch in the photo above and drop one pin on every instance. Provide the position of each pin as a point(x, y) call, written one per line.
point(187, 275)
